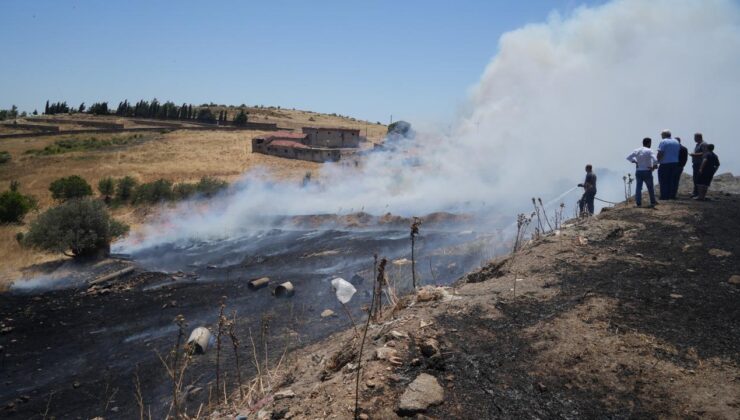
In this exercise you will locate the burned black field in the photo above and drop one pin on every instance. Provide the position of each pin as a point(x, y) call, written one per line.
point(670, 311)
point(77, 352)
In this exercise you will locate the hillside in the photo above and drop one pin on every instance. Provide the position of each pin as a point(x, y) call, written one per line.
point(633, 314)
point(179, 155)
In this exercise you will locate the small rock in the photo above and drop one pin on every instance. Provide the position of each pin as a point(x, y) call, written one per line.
point(398, 335)
point(541, 387)
point(363, 416)
point(75, 385)
point(422, 393)
point(285, 393)
point(388, 344)
point(735, 279)
point(327, 313)
point(719, 253)
point(370, 384)
point(675, 296)
point(639, 255)
point(385, 353)
point(114, 409)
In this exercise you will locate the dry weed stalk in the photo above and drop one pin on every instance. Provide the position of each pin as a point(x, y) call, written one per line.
point(522, 222)
point(176, 371)
point(235, 345)
point(138, 394)
point(364, 335)
point(221, 321)
point(414, 232)
point(537, 213)
point(544, 214)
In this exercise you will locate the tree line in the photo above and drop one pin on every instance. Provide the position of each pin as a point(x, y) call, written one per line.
point(151, 109)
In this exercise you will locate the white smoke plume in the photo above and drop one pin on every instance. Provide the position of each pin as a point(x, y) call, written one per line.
point(584, 88)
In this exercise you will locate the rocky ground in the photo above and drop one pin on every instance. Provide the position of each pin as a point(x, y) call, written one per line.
point(631, 314)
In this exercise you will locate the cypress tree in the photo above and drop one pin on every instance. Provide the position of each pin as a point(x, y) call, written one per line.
point(46, 109)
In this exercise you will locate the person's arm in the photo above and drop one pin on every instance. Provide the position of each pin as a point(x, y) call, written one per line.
point(653, 161)
point(632, 156)
point(703, 165)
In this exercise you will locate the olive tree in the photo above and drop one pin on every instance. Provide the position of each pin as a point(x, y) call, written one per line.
point(76, 228)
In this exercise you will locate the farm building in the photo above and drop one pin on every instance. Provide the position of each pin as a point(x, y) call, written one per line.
point(313, 144)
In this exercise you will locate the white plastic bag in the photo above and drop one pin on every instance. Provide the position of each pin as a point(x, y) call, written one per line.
point(344, 289)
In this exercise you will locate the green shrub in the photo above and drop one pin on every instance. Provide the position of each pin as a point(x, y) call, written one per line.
point(107, 188)
point(184, 190)
point(125, 188)
point(208, 186)
point(68, 188)
point(154, 192)
point(76, 228)
point(14, 206)
point(4, 157)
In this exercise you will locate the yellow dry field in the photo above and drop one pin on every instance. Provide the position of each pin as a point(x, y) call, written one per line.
point(177, 156)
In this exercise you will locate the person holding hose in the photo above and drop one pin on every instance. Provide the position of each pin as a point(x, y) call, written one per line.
point(586, 203)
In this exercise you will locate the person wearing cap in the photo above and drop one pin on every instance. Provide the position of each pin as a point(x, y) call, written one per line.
point(668, 153)
point(646, 162)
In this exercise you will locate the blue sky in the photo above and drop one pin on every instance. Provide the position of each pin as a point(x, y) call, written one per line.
point(413, 59)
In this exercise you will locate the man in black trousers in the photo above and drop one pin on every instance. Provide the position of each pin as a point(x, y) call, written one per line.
point(696, 159)
point(683, 157)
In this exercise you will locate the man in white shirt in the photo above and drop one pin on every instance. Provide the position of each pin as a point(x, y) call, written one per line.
point(646, 162)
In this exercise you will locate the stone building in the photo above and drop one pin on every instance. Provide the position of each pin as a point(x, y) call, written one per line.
point(313, 144)
point(333, 137)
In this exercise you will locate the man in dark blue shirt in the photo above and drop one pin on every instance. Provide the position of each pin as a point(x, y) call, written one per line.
point(696, 159)
point(589, 192)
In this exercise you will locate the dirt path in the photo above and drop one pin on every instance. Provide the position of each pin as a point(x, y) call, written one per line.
point(631, 315)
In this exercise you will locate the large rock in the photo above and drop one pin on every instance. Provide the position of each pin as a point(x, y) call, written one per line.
point(735, 279)
point(424, 392)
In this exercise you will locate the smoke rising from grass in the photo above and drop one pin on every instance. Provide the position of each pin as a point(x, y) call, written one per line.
point(577, 89)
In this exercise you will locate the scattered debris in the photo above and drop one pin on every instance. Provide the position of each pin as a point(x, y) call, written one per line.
point(259, 283)
point(285, 393)
point(199, 340)
point(719, 253)
point(112, 275)
point(284, 290)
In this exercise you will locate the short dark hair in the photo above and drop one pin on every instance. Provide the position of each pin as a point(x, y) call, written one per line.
point(589, 167)
point(710, 147)
point(698, 137)
point(646, 141)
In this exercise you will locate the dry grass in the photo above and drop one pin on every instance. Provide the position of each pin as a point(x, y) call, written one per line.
point(177, 155)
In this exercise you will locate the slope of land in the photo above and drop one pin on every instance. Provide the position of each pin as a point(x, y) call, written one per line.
point(633, 314)
point(175, 155)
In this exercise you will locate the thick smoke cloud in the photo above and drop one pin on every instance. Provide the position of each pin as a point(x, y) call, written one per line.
point(580, 89)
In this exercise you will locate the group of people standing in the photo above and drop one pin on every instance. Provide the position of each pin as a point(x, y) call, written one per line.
point(670, 161)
